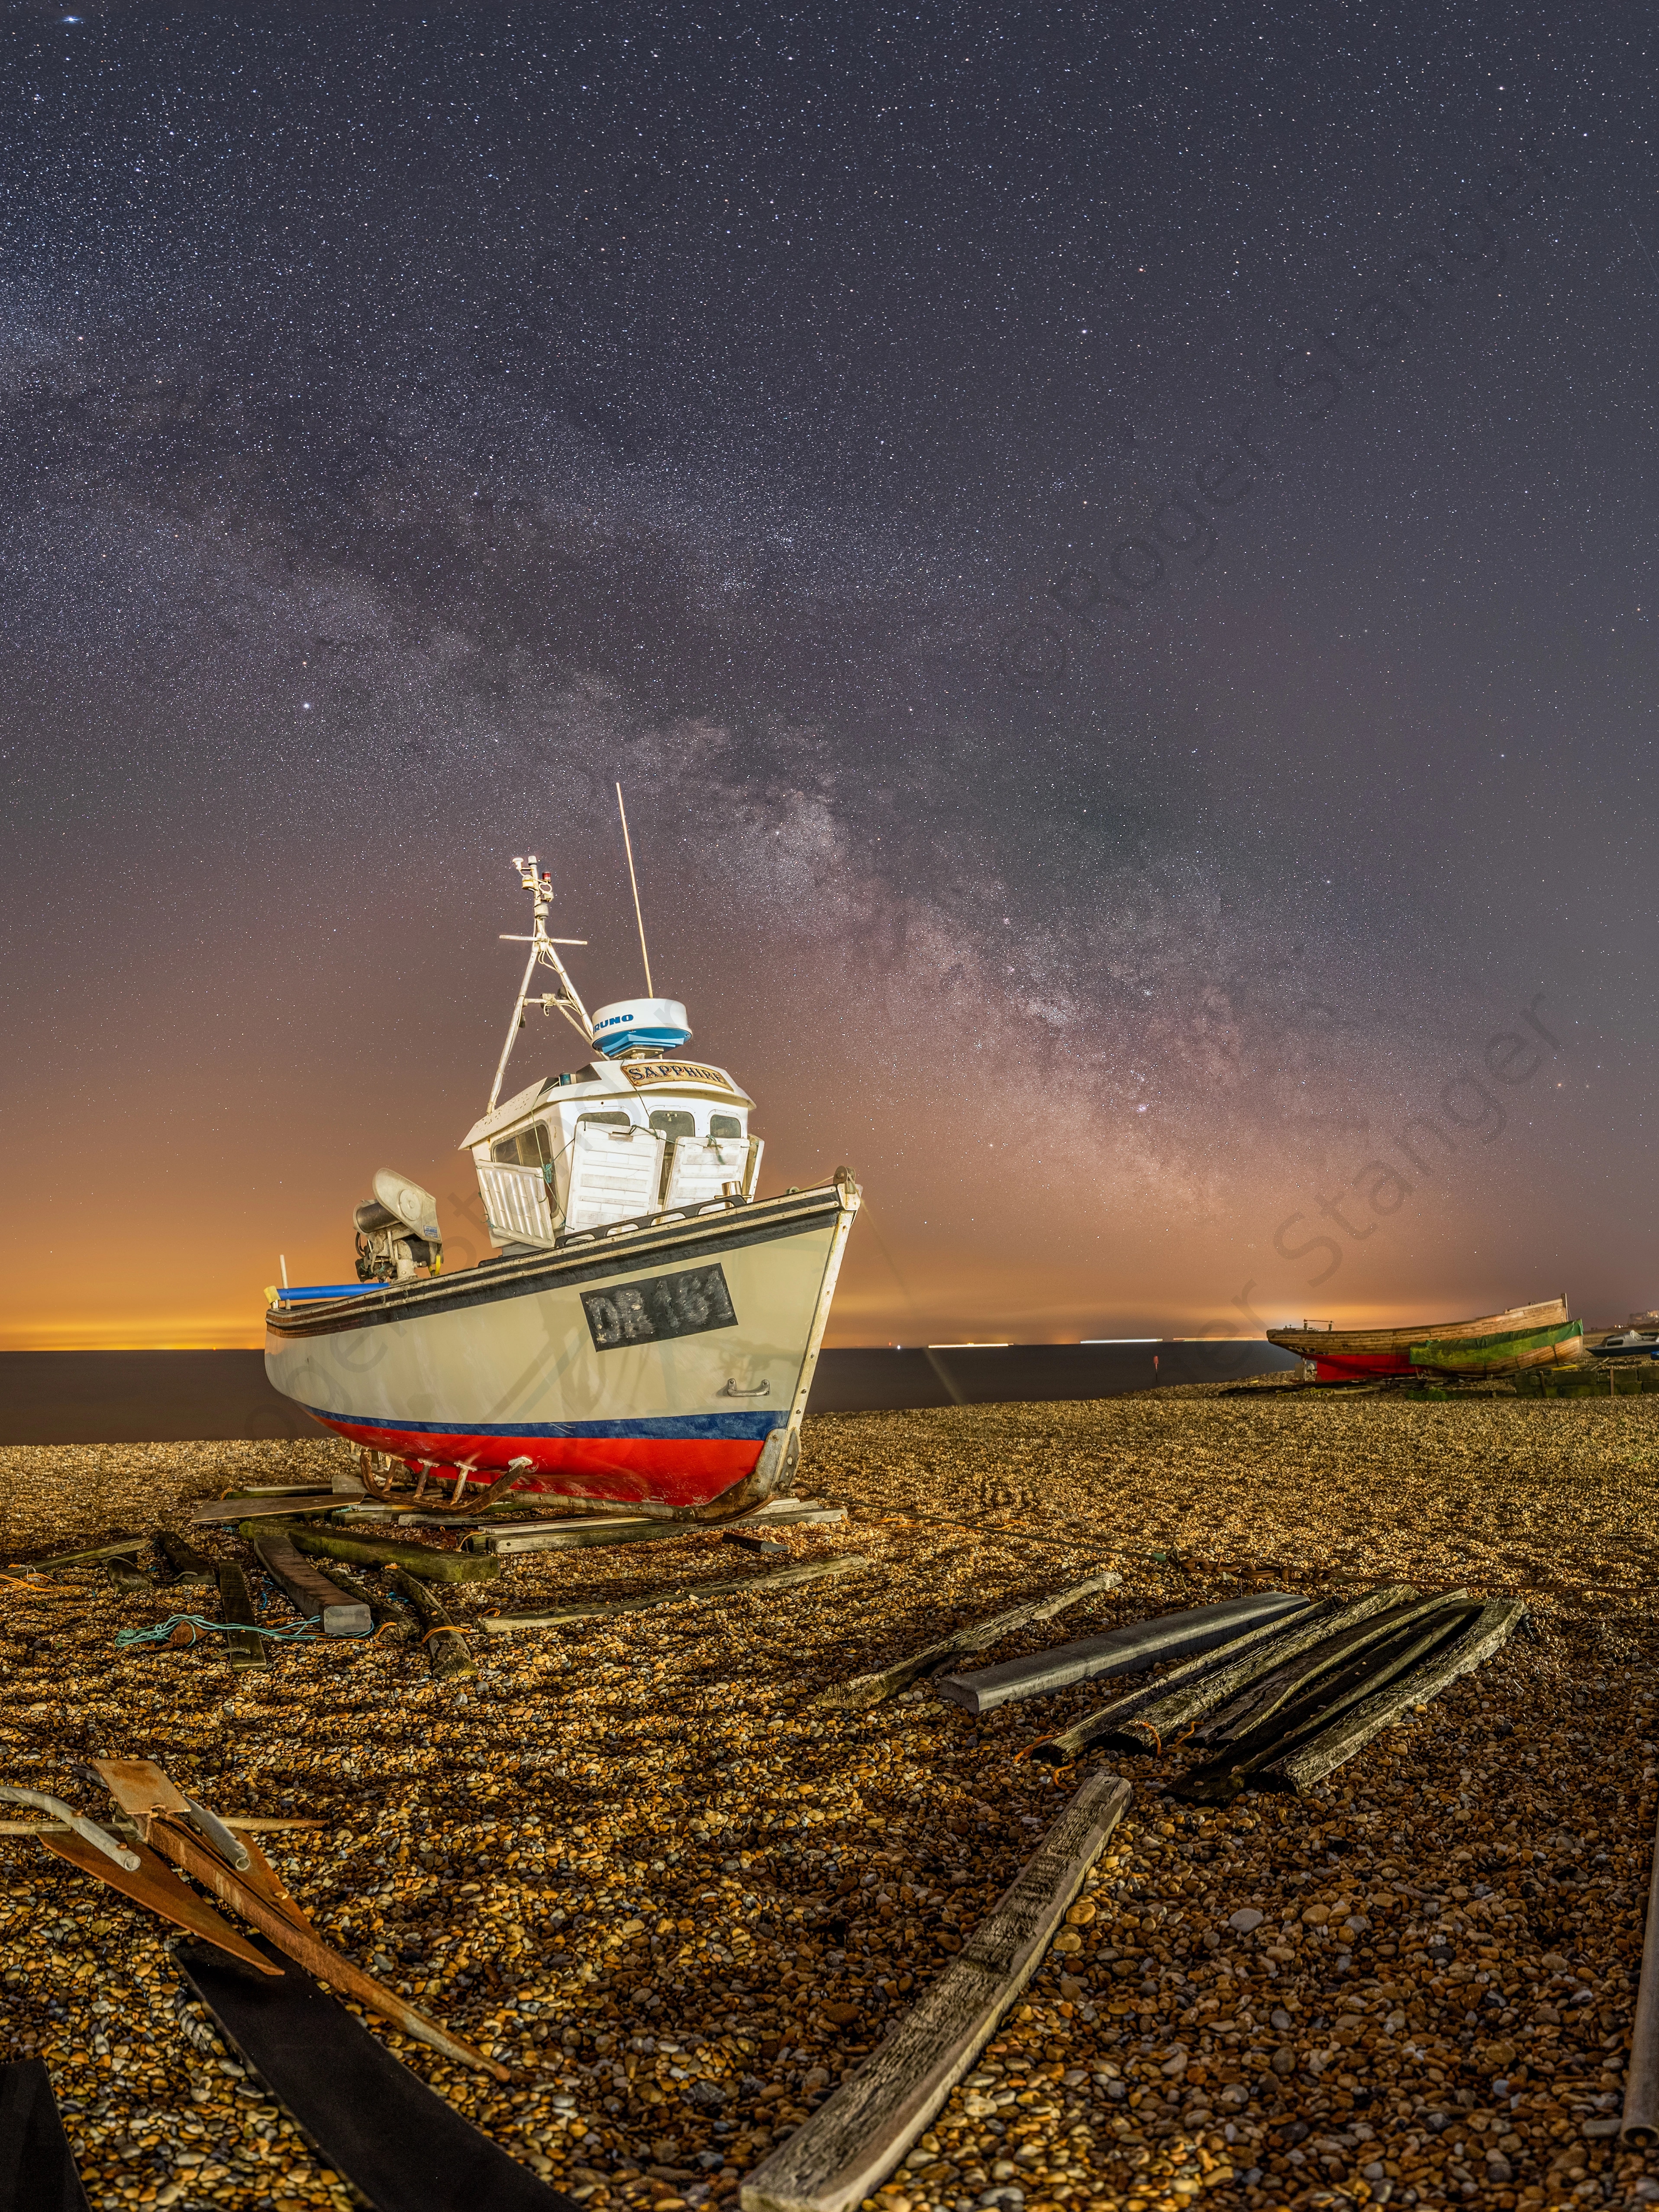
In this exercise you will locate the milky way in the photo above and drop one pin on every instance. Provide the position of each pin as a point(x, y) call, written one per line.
point(1114, 564)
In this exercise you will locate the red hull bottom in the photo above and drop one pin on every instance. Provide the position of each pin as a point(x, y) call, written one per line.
point(681, 1471)
point(1360, 1366)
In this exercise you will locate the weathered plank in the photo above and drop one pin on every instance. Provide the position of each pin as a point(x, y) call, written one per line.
point(977, 1635)
point(1239, 1760)
point(1123, 1651)
point(186, 1563)
point(1278, 1687)
point(391, 1616)
point(425, 1560)
point(1489, 1631)
point(771, 1579)
point(446, 1646)
point(309, 1590)
point(1139, 1721)
point(219, 1512)
point(244, 1649)
point(575, 1535)
point(842, 2154)
point(1639, 2126)
point(122, 1548)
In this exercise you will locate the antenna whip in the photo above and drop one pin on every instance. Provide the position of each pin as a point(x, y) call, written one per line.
point(627, 843)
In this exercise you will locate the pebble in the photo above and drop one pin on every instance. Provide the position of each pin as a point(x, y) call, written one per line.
point(682, 1899)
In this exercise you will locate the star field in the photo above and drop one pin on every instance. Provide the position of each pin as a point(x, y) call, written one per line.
point(1112, 555)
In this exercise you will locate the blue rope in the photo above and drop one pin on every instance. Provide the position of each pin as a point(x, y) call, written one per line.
point(299, 1631)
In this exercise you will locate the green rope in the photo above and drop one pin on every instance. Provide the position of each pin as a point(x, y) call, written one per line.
point(300, 1631)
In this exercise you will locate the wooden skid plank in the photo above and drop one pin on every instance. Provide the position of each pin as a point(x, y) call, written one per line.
point(978, 1636)
point(424, 1560)
point(446, 1646)
point(1639, 2123)
point(1144, 1719)
point(390, 1615)
point(573, 1535)
point(1491, 1629)
point(842, 2154)
point(123, 1547)
point(243, 1824)
point(187, 1564)
point(36, 2167)
point(310, 1590)
point(158, 1888)
point(242, 1647)
point(774, 1578)
point(216, 1512)
point(1124, 1651)
point(396, 2141)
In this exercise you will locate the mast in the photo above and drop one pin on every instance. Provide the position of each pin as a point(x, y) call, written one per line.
point(543, 953)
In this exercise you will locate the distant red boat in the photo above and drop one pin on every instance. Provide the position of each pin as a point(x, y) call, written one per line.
point(1355, 1355)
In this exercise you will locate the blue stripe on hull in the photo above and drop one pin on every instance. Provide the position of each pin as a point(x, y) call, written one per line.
point(743, 1427)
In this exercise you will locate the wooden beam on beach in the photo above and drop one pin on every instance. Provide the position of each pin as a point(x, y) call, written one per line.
point(574, 1535)
point(424, 1560)
point(244, 1647)
point(187, 1564)
point(977, 1635)
point(122, 1548)
point(1489, 1631)
point(39, 2173)
point(309, 1590)
point(1237, 1757)
point(773, 1578)
point(1147, 1719)
point(859, 2134)
point(1639, 2126)
point(219, 1512)
point(446, 1646)
point(391, 1616)
point(1200, 1628)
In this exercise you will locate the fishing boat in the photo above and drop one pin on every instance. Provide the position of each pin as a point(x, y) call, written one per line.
point(646, 1334)
point(1628, 1343)
point(1505, 1352)
point(1348, 1355)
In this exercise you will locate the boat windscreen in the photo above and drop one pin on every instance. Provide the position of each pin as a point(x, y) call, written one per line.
point(525, 1148)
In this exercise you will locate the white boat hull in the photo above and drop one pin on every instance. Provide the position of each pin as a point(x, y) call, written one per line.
point(667, 1366)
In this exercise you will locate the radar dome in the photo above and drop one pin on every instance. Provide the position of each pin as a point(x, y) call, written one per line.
point(659, 1022)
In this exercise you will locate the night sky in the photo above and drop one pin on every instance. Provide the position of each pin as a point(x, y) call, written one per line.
point(1111, 551)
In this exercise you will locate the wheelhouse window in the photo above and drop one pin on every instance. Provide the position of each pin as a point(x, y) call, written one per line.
point(608, 1121)
point(724, 1125)
point(525, 1148)
point(674, 1121)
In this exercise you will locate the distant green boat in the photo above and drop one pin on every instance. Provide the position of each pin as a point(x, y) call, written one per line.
point(1506, 1353)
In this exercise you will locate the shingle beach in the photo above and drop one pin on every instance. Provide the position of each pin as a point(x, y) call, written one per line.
point(643, 1864)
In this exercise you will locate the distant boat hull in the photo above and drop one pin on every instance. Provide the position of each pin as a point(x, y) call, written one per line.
point(1628, 1343)
point(1350, 1355)
point(1506, 1351)
point(666, 1367)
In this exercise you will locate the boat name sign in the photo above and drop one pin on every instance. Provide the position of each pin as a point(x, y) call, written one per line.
point(658, 1307)
point(639, 1073)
